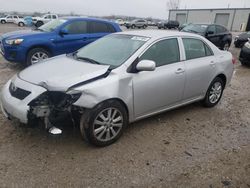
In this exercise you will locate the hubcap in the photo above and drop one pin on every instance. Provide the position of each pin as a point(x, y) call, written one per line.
point(38, 56)
point(226, 47)
point(215, 92)
point(108, 124)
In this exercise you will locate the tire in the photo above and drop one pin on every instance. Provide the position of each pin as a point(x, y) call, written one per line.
point(104, 127)
point(133, 26)
point(39, 24)
point(159, 27)
point(212, 99)
point(226, 46)
point(3, 21)
point(165, 27)
point(144, 27)
point(20, 24)
point(127, 27)
point(34, 54)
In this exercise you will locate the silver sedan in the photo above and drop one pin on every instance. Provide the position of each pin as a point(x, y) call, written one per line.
point(119, 79)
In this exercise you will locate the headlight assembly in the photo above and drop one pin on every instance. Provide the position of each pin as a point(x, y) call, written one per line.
point(247, 45)
point(13, 41)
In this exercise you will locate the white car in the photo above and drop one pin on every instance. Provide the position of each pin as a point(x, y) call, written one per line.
point(119, 79)
point(9, 19)
point(39, 21)
point(120, 22)
point(20, 22)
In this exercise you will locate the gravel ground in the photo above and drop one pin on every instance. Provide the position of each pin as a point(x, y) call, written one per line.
point(188, 147)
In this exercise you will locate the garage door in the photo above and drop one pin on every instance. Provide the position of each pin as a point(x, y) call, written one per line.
point(181, 18)
point(222, 19)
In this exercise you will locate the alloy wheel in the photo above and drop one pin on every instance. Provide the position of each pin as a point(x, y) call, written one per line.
point(108, 124)
point(215, 92)
point(38, 56)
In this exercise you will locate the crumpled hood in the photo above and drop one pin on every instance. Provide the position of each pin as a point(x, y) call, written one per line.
point(61, 72)
point(21, 33)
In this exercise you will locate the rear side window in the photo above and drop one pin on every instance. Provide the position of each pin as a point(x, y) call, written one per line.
point(163, 52)
point(53, 16)
point(100, 27)
point(77, 27)
point(195, 48)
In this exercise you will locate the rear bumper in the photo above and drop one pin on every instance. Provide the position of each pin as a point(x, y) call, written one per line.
point(15, 108)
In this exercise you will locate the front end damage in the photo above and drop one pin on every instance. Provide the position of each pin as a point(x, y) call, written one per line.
point(52, 107)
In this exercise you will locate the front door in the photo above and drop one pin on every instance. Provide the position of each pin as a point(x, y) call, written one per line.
point(162, 88)
point(76, 37)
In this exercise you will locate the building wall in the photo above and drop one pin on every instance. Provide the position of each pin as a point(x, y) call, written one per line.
point(236, 16)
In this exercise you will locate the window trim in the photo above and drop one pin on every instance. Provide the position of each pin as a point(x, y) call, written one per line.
point(204, 43)
point(159, 40)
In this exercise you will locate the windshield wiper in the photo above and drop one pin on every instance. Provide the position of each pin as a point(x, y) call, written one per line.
point(87, 59)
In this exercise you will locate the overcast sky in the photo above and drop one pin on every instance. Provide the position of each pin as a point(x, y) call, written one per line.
point(140, 8)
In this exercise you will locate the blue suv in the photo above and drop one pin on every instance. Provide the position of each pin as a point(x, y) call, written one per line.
point(57, 37)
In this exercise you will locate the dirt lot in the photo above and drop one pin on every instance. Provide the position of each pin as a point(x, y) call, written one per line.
point(188, 147)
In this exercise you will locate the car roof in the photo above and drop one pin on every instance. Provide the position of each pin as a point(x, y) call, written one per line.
point(158, 33)
point(85, 18)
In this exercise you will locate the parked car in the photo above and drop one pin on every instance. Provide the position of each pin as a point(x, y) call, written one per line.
point(119, 79)
point(20, 22)
point(54, 38)
point(217, 34)
point(39, 21)
point(138, 23)
point(245, 54)
point(171, 24)
point(9, 19)
point(120, 22)
point(241, 39)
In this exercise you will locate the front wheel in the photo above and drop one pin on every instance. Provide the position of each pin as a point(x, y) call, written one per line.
point(20, 24)
point(226, 46)
point(214, 92)
point(3, 21)
point(36, 55)
point(104, 124)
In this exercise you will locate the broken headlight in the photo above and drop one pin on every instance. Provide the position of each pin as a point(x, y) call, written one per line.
point(41, 100)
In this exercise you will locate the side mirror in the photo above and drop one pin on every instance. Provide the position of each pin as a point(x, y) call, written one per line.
point(146, 65)
point(64, 32)
point(210, 32)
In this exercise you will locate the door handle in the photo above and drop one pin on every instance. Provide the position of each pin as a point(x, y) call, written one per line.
point(179, 71)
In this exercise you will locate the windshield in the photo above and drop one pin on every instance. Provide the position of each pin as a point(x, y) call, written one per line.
point(111, 50)
point(51, 26)
point(196, 28)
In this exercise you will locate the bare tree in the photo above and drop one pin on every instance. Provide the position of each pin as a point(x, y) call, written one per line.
point(173, 4)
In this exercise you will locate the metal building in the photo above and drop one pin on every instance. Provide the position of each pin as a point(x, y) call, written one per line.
point(235, 19)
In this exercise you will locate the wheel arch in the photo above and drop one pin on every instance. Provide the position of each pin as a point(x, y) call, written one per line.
point(223, 77)
point(45, 47)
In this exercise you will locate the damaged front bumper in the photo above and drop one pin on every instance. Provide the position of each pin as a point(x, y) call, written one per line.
point(13, 104)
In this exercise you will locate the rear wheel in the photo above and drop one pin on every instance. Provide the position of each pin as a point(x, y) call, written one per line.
point(144, 27)
point(20, 24)
point(36, 55)
point(104, 124)
point(3, 21)
point(133, 26)
point(214, 92)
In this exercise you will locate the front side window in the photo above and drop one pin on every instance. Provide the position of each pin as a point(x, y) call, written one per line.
point(195, 48)
point(220, 29)
point(77, 27)
point(163, 52)
point(211, 29)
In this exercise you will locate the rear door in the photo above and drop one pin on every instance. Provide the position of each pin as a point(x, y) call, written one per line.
point(200, 65)
point(98, 29)
point(222, 33)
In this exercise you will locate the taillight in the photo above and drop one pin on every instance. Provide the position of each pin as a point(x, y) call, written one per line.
point(234, 61)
